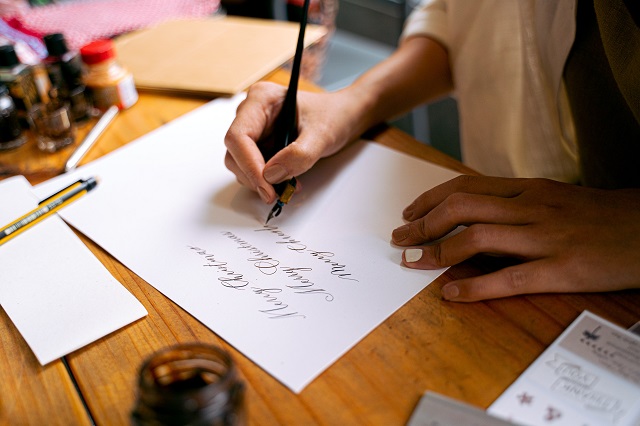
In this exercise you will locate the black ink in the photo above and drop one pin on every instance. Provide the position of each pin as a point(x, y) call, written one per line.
point(337, 269)
point(304, 283)
point(265, 264)
point(231, 280)
point(236, 281)
point(292, 244)
point(275, 313)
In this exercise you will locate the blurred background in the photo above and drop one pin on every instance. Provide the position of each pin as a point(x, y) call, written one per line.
point(362, 33)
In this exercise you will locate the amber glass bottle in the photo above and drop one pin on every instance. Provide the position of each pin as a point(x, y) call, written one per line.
point(108, 82)
point(11, 135)
point(19, 79)
point(190, 384)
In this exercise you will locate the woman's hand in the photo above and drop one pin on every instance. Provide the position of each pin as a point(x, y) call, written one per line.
point(416, 72)
point(569, 238)
point(323, 128)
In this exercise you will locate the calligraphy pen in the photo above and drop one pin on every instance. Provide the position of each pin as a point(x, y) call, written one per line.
point(91, 138)
point(285, 128)
point(47, 207)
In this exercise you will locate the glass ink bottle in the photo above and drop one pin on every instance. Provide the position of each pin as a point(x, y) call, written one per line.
point(19, 79)
point(108, 82)
point(11, 135)
point(52, 125)
point(64, 68)
point(190, 384)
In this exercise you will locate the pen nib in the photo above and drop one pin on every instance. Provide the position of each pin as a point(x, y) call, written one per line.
point(285, 196)
point(275, 211)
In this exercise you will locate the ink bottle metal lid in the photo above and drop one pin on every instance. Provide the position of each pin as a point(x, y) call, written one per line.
point(11, 135)
point(190, 384)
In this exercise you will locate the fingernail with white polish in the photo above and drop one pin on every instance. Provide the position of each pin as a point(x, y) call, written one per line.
point(412, 255)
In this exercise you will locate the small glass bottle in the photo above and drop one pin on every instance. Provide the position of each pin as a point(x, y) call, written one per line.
point(189, 384)
point(52, 125)
point(19, 79)
point(64, 68)
point(108, 82)
point(11, 135)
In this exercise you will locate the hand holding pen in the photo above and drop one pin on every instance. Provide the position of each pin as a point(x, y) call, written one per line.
point(285, 127)
point(324, 123)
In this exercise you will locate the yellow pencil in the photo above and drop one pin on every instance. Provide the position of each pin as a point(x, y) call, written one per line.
point(47, 207)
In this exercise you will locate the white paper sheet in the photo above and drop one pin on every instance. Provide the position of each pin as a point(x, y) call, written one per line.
point(589, 376)
point(58, 295)
point(293, 297)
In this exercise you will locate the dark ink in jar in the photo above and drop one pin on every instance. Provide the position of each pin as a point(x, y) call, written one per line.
point(64, 68)
point(11, 135)
point(19, 79)
point(190, 384)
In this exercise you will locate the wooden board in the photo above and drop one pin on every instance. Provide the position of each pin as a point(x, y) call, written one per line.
point(209, 57)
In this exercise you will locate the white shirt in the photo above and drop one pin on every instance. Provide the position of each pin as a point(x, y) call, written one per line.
point(507, 59)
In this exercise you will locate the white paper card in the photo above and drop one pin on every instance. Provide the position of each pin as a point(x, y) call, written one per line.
point(438, 410)
point(58, 295)
point(294, 296)
point(589, 376)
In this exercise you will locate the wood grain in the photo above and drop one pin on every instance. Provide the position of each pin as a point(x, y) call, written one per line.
point(31, 393)
point(470, 352)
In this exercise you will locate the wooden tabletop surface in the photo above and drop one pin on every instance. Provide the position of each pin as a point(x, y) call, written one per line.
point(470, 352)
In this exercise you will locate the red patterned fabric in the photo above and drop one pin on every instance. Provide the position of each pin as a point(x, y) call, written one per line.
point(85, 21)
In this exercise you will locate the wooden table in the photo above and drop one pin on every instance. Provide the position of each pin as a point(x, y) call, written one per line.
point(470, 352)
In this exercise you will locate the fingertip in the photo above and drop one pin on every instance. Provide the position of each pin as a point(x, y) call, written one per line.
point(450, 292)
point(412, 255)
point(400, 234)
point(484, 287)
point(467, 290)
point(264, 195)
point(275, 174)
point(407, 213)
